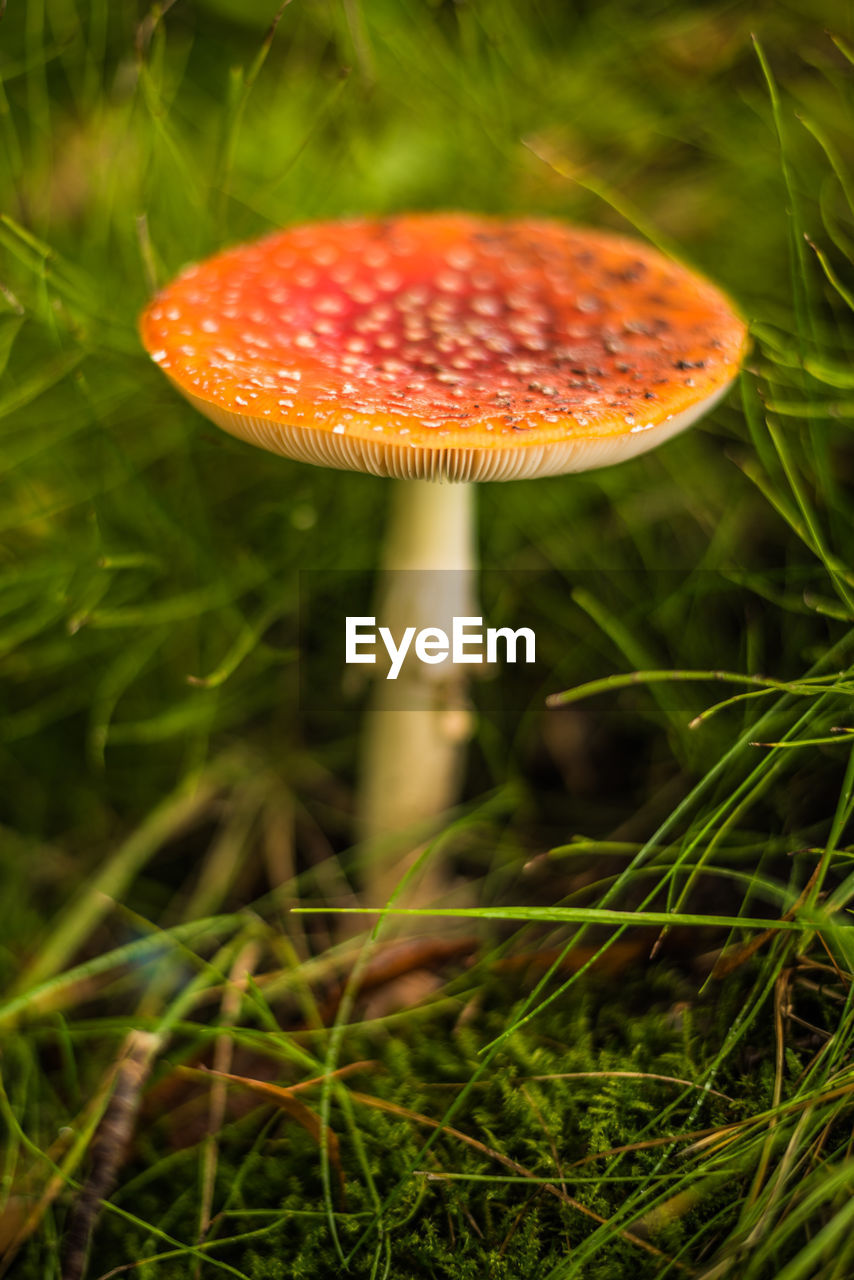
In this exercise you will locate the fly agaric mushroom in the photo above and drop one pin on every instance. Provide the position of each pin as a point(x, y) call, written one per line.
point(442, 348)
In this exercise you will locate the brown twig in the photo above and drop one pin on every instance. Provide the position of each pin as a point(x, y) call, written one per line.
point(109, 1147)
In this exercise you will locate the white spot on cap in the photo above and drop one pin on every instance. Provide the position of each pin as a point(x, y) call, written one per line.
point(461, 259)
point(416, 296)
point(486, 305)
point(329, 305)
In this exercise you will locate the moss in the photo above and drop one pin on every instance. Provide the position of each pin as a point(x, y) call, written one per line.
point(460, 1227)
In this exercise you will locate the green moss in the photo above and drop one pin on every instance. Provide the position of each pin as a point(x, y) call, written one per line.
point(485, 1218)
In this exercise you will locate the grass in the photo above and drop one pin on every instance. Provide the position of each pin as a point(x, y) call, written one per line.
point(640, 1063)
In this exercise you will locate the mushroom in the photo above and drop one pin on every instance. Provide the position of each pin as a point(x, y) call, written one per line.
point(442, 349)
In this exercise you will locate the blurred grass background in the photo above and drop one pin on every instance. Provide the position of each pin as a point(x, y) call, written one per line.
point(158, 769)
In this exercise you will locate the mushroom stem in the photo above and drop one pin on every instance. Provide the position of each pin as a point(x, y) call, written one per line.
point(418, 724)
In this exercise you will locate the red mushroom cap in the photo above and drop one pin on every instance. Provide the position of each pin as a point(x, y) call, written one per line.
point(447, 345)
